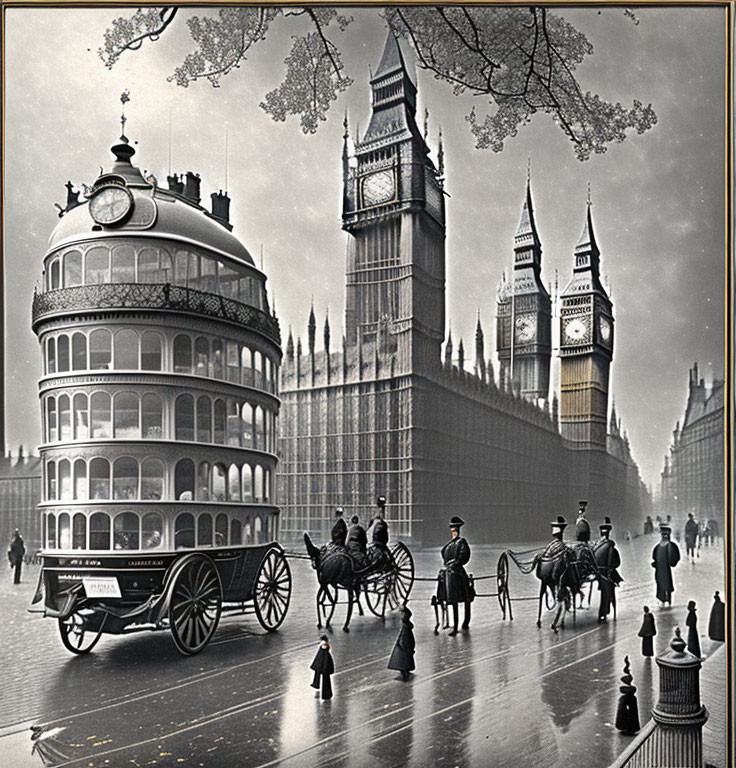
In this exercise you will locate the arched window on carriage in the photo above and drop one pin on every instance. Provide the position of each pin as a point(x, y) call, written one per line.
point(123, 264)
point(247, 532)
point(234, 426)
point(208, 280)
point(227, 281)
point(219, 491)
point(65, 419)
point(182, 354)
point(203, 481)
point(100, 349)
point(51, 355)
point(72, 269)
point(184, 531)
point(99, 531)
point(99, 479)
point(125, 352)
point(204, 530)
point(152, 479)
point(184, 418)
point(126, 531)
point(258, 366)
point(80, 416)
point(126, 419)
point(201, 356)
point(100, 415)
point(221, 530)
point(260, 435)
point(51, 433)
point(79, 352)
point(65, 533)
point(154, 266)
point(220, 421)
point(152, 528)
point(218, 359)
point(247, 422)
point(247, 474)
point(152, 415)
point(258, 483)
point(257, 530)
point(51, 530)
point(151, 346)
point(236, 532)
point(232, 362)
point(97, 266)
point(184, 480)
point(80, 480)
point(51, 480)
point(246, 367)
point(62, 350)
point(186, 269)
point(233, 483)
point(65, 480)
point(204, 419)
point(267, 492)
point(55, 272)
point(79, 531)
point(125, 478)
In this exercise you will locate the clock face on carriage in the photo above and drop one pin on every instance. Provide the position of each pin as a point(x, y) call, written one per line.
point(111, 205)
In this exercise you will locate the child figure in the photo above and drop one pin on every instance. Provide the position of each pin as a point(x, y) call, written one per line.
point(563, 606)
point(647, 633)
point(693, 641)
point(402, 657)
point(323, 667)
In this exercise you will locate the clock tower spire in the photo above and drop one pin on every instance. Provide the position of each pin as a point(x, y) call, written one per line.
point(586, 346)
point(394, 215)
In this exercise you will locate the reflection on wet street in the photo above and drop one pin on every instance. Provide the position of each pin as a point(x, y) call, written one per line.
point(502, 694)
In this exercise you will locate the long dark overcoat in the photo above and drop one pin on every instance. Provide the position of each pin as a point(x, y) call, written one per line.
point(456, 554)
point(717, 622)
point(608, 560)
point(339, 532)
point(691, 533)
point(647, 633)
point(665, 556)
point(323, 663)
point(693, 641)
point(402, 656)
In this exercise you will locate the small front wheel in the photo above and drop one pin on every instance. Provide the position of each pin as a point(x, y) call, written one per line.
point(80, 632)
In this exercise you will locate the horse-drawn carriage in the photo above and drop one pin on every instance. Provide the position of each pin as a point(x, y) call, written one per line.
point(185, 591)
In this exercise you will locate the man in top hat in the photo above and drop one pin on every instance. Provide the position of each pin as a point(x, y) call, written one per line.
point(339, 529)
point(357, 543)
point(456, 554)
point(607, 560)
point(691, 536)
point(665, 556)
point(582, 526)
point(378, 554)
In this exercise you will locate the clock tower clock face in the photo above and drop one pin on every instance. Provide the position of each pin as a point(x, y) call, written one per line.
point(526, 329)
point(576, 331)
point(604, 328)
point(378, 188)
point(110, 205)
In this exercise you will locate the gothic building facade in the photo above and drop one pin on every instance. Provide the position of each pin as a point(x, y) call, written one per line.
point(384, 415)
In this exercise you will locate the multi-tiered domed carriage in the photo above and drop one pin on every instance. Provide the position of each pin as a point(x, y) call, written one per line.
point(159, 402)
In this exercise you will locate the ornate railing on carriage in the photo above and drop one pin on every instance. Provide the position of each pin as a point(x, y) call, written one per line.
point(83, 298)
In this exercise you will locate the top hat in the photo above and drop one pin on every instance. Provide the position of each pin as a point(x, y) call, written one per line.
point(664, 528)
point(560, 523)
point(456, 522)
point(339, 511)
point(606, 524)
point(324, 637)
point(381, 501)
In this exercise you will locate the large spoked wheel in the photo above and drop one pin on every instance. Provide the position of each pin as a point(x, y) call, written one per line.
point(195, 606)
point(502, 582)
point(326, 602)
point(402, 576)
point(272, 590)
point(77, 632)
point(377, 592)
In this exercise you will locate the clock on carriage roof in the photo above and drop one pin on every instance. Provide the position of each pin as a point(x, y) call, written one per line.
point(378, 188)
point(111, 205)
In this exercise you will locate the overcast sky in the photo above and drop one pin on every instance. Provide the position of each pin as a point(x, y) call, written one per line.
point(658, 199)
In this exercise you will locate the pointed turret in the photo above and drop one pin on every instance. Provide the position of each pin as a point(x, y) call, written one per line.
point(440, 158)
point(448, 350)
point(526, 232)
point(613, 424)
point(461, 356)
point(290, 345)
point(587, 254)
point(312, 330)
point(327, 332)
point(480, 364)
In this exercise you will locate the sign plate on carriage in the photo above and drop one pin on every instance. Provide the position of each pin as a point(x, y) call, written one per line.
point(101, 586)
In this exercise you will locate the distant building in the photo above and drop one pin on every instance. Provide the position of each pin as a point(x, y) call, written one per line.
point(693, 474)
point(382, 414)
point(20, 494)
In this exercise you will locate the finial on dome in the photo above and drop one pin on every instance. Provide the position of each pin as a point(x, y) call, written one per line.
point(528, 169)
point(123, 151)
point(590, 202)
point(124, 98)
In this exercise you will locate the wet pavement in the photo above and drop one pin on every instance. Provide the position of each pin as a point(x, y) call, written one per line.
point(503, 694)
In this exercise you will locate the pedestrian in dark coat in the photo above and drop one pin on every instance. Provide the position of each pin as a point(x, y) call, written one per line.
point(323, 667)
point(693, 641)
point(691, 536)
point(16, 553)
point(665, 556)
point(402, 656)
point(607, 561)
point(357, 543)
point(339, 529)
point(456, 554)
point(647, 633)
point(582, 526)
point(717, 622)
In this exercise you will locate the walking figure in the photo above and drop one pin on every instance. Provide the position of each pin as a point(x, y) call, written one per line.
point(456, 554)
point(16, 553)
point(691, 536)
point(647, 633)
point(323, 667)
point(402, 656)
point(717, 623)
point(665, 556)
point(693, 641)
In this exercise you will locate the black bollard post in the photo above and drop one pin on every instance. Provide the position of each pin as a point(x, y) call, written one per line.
point(627, 715)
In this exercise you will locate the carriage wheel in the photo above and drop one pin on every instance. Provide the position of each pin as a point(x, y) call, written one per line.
point(195, 606)
point(377, 592)
point(326, 602)
point(502, 582)
point(402, 577)
point(76, 634)
point(272, 590)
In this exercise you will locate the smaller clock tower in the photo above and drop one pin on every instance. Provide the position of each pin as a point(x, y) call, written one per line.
point(586, 347)
point(523, 322)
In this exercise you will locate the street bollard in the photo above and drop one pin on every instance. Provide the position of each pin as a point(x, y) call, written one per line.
point(627, 715)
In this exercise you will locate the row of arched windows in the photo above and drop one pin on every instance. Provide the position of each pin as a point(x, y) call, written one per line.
point(148, 262)
point(129, 530)
point(126, 478)
point(129, 350)
point(132, 415)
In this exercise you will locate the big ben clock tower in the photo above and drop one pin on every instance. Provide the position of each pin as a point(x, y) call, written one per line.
point(393, 210)
point(586, 347)
point(523, 327)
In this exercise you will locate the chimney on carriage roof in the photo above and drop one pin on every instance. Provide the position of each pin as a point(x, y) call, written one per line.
point(175, 184)
point(191, 187)
point(221, 206)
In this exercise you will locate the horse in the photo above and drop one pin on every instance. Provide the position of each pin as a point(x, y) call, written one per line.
point(335, 569)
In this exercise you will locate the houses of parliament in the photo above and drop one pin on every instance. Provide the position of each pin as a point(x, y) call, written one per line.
point(385, 412)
